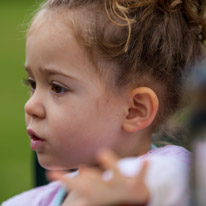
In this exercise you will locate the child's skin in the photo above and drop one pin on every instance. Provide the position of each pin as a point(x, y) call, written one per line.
point(72, 110)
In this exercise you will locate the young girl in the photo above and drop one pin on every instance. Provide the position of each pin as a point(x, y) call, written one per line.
point(107, 74)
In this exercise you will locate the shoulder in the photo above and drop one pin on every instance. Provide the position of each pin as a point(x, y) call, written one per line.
point(166, 157)
point(167, 174)
point(171, 164)
point(39, 196)
point(172, 151)
point(169, 161)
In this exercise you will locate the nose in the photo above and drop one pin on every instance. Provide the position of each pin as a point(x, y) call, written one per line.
point(34, 107)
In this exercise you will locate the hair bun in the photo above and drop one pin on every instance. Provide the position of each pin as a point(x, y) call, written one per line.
point(123, 13)
point(195, 12)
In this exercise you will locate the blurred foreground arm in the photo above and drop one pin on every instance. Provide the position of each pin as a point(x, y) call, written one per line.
point(92, 187)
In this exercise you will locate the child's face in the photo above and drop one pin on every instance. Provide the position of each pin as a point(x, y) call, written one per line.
point(69, 109)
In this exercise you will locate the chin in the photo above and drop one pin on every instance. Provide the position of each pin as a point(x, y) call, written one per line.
point(50, 163)
point(54, 166)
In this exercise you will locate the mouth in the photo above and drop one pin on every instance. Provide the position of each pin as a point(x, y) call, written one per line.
point(33, 136)
point(36, 143)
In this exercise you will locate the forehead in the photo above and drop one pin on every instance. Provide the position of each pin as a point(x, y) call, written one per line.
point(60, 30)
point(51, 37)
point(49, 24)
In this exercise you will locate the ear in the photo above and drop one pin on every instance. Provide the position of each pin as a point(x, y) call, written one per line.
point(142, 109)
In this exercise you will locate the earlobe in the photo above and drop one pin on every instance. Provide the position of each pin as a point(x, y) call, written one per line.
point(142, 109)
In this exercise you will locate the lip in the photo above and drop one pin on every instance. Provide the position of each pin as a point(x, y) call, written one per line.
point(36, 142)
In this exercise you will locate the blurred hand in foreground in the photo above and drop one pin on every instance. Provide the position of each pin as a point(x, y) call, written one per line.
point(89, 188)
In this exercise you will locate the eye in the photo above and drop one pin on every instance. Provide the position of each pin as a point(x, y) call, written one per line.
point(31, 83)
point(58, 89)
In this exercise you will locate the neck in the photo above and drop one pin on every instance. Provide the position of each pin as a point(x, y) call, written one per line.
point(135, 144)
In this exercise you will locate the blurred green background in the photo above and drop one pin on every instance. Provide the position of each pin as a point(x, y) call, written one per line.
point(15, 154)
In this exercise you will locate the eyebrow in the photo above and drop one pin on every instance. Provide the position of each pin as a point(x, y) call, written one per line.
point(50, 71)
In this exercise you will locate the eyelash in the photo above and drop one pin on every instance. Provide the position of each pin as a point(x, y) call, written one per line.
point(31, 83)
point(56, 88)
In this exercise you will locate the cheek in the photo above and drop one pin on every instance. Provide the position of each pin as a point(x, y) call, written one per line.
point(78, 135)
point(86, 121)
point(77, 130)
point(71, 117)
point(87, 130)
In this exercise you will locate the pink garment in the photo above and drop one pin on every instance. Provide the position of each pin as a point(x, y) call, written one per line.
point(159, 183)
point(40, 196)
point(167, 176)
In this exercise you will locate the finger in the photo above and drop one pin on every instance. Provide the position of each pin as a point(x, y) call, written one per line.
point(71, 183)
point(90, 172)
point(107, 154)
point(81, 202)
point(54, 175)
point(143, 170)
point(68, 182)
point(81, 184)
point(108, 160)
